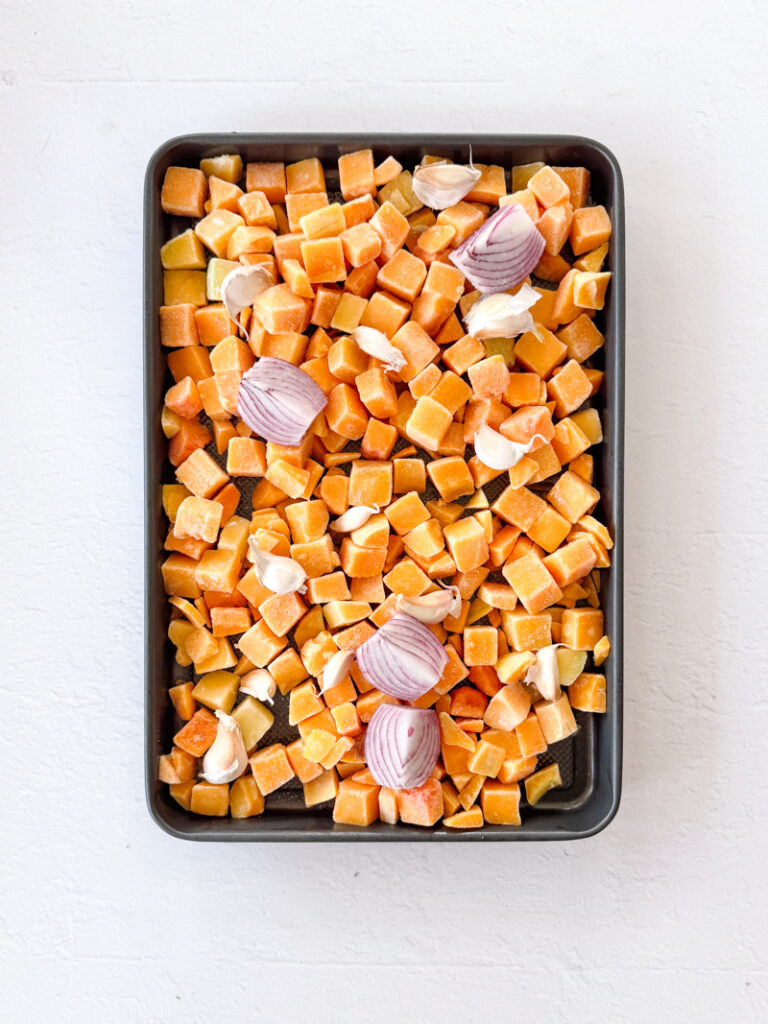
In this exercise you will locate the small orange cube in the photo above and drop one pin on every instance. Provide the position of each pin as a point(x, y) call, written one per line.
point(481, 646)
point(271, 768)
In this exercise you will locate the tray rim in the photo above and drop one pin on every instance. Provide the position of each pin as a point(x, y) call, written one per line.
point(220, 830)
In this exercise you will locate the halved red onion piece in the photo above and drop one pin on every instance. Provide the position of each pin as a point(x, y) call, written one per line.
point(403, 659)
point(279, 401)
point(402, 745)
point(502, 252)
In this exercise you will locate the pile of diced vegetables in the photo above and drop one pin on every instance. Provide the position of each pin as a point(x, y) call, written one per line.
point(417, 569)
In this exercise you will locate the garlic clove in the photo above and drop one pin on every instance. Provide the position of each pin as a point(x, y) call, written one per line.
point(375, 343)
point(226, 759)
point(497, 452)
point(500, 315)
point(354, 518)
point(441, 185)
point(431, 608)
point(259, 684)
point(544, 673)
point(336, 669)
point(277, 573)
point(241, 287)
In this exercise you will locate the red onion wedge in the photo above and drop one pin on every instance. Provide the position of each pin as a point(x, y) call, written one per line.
point(402, 745)
point(403, 659)
point(502, 252)
point(279, 401)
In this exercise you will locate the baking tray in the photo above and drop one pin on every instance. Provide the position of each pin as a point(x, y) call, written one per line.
point(591, 760)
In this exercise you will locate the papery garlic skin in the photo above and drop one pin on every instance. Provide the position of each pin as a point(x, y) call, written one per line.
point(259, 684)
point(441, 185)
point(336, 669)
point(226, 759)
point(431, 608)
point(377, 344)
point(544, 673)
point(497, 452)
point(277, 573)
point(500, 315)
point(354, 518)
point(241, 287)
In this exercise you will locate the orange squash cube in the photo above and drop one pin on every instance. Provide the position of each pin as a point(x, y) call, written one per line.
point(460, 356)
point(356, 174)
point(428, 423)
point(379, 440)
point(304, 702)
point(327, 298)
point(361, 244)
point(582, 628)
point(192, 361)
point(463, 217)
point(549, 531)
point(245, 799)
point(385, 313)
point(564, 309)
point(450, 390)
point(555, 718)
point(539, 351)
point(218, 570)
point(360, 561)
point(577, 180)
point(199, 519)
point(554, 224)
point(392, 228)
point(356, 804)
point(489, 377)
point(532, 582)
point(183, 192)
point(299, 205)
point(345, 412)
point(402, 275)
point(305, 176)
point(201, 475)
point(256, 210)
point(281, 612)
point(209, 799)
point(184, 287)
point(406, 513)
point(268, 178)
point(198, 734)
point(508, 708)
point(409, 475)
point(519, 507)
point(548, 187)
point(407, 578)
point(422, 805)
point(280, 311)
point(500, 803)
point(588, 693)
point(316, 557)
point(572, 496)
point(271, 768)
point(589, 289)
point(178, 325)
point(530, 738)
point(489, 187)
point(370, 483)
point(260, 645)
point(467, 543)
point(569, 440)
point(246, 456)
point(359, 210)
point(304, 769)
point(324, 260)
point(486, 759)
point(571, 562)
point(377, 393)
point(569, 387)
point(590, 228)
point(417, 347)
point(481, 647)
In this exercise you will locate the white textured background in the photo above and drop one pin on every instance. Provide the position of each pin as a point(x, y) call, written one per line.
point(662, 917)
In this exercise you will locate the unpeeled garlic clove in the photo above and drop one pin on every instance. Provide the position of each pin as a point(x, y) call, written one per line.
point(431, 608)
point(277, 573)
point(375, 343)
point(500, 315)
point(544, 673)
point(226, 759)
point(336, 669)
point(497, 452)
point(259, 684)
point(354, 518)
point(241, 287)
point(441, 185)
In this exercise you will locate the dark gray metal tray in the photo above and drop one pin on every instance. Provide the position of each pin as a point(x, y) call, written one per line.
point(591, 760)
